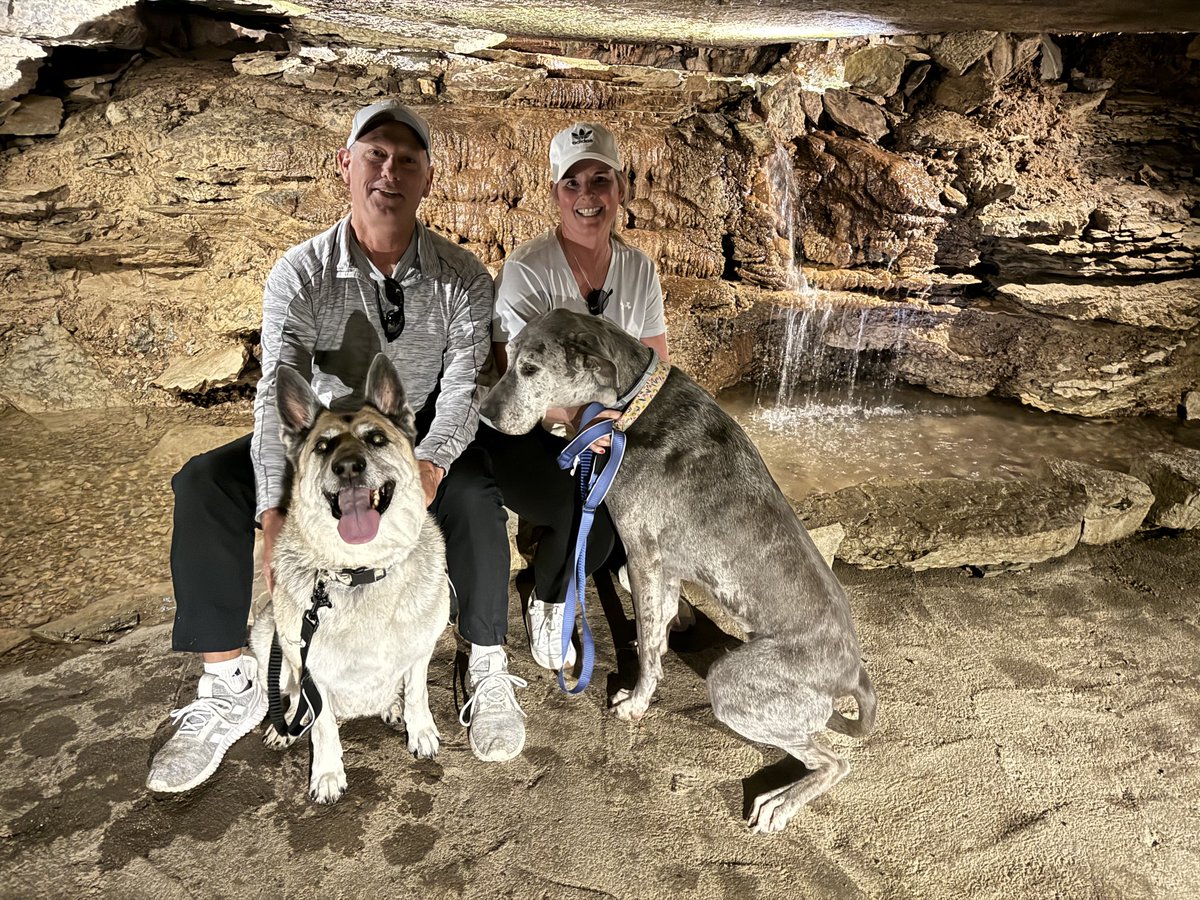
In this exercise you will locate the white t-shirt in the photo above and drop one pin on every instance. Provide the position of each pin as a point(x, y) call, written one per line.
point(537, 278)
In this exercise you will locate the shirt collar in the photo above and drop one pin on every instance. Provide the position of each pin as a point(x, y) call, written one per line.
point(353, 262)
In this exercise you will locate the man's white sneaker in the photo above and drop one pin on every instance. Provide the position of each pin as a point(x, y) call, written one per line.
point(208, 727)
point(544, 622)
point(494, 720)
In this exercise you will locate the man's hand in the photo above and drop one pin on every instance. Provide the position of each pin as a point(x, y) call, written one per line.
point(272, 522)
point(431, 476)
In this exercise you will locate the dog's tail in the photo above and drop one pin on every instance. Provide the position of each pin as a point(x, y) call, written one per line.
point(864, 696)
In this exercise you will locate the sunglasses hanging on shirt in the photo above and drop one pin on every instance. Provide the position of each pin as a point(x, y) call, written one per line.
point(597, 300)
point(392, 318)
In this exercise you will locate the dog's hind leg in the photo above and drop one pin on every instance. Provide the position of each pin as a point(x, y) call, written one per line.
point(760, 691)
point(424, 739)
point(328, 779)
point(651, 590)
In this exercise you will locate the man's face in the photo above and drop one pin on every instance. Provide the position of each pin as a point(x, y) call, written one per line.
point(388, 173)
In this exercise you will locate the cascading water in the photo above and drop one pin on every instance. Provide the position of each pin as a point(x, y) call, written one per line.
point(813, 376)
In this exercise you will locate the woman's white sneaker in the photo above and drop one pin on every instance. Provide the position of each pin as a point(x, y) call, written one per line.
point(544, 622)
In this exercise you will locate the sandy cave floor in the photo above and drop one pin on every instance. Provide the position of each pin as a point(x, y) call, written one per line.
point(1039, 735)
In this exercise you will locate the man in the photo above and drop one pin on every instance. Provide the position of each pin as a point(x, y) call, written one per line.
point(376, 281)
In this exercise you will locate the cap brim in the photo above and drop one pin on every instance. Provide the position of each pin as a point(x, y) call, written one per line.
point(387, 116)
point(613, 164)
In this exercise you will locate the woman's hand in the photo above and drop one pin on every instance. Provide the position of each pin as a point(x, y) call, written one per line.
point(601, 444)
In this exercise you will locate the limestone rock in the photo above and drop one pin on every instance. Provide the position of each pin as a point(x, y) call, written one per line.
point(49, 372)
point(35, 115)
point(1175, 480)
point(105, 620)
point(861, 205)
point(828, 539)
point(476, 80)
point(1173, 305)
point(959, 51)
point(205, 371)
point(11, 638)
point(950, 522)
point(875, 70)
point(966, 93)
point(183, 442)
point(19, 63)
point(1191, 406)
point(858, 115)
point(1117, 503)
point(784, 107)
point(1052, 62)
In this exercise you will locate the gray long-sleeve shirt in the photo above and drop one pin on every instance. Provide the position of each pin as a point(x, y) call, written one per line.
point(321, 315)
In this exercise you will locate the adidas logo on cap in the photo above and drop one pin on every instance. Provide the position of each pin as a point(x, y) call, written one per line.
point(582, 136)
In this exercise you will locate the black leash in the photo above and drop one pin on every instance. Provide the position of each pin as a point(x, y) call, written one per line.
point(310, 698)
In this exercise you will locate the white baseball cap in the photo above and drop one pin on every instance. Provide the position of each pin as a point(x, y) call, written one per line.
point(387, 111)
point(583, 140)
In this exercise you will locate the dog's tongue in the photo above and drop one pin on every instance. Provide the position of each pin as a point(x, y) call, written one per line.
point(359, 522)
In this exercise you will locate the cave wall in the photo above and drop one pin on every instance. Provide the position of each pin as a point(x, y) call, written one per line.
point(1015, 214)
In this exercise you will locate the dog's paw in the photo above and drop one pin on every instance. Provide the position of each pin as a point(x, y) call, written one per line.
point(772, 810)
point(424, 743)
point(394, 714)
point(626, 707)
point(276, 741)
point(327, 787)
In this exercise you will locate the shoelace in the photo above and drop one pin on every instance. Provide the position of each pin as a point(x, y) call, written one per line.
point(196, 714)
point(550, 634)
point(498, 689)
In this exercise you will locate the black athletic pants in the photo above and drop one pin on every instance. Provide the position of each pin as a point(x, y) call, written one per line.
point(542, 494)
point(212, 546)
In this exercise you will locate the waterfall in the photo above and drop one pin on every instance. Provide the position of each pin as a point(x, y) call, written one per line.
point(815, 355)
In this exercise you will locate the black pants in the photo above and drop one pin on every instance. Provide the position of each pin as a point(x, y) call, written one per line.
point(212, 547)
point(536, 489)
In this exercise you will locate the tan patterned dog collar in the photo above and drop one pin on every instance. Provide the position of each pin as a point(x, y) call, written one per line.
point(641, 400)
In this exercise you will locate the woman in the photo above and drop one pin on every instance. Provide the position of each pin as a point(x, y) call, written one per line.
point(581, 264)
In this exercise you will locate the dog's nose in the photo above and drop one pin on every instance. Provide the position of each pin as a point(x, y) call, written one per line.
point(349, 466)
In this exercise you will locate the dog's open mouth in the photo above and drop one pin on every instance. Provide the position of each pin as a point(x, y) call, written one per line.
point(358, 510)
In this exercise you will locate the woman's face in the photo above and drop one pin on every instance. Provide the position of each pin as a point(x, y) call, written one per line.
point(589, 198)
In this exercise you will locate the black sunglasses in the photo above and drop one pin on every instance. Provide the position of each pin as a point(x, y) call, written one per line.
point(393, 318)
point(597, 300)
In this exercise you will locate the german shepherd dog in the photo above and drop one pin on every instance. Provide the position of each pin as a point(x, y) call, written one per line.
point(356, 506)
point(694, 501)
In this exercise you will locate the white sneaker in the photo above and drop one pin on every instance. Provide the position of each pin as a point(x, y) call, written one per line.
point(544, 622)
point(208, 727)
point(496, 731)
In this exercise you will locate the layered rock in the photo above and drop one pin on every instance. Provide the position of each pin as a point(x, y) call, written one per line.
point(1036, 198)
point(950, 522)
point(1175, 480)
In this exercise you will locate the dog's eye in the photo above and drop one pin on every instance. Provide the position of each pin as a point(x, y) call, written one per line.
point(377, 439)
point(529, 369)
point(321, 446)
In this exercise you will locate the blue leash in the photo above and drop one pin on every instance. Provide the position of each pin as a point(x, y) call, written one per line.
point(592, 487)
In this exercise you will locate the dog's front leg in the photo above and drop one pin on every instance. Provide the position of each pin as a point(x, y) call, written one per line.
point(328, 780)
point(423, 736)
point(649, 588)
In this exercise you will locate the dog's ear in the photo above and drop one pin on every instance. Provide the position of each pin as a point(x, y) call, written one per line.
point(587, 352)
point(386, 394)
point(297, 404)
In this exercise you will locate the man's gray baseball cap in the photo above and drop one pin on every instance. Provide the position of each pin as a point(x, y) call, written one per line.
point(387, 111)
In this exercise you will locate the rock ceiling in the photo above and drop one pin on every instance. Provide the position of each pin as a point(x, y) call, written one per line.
point(468, 25)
